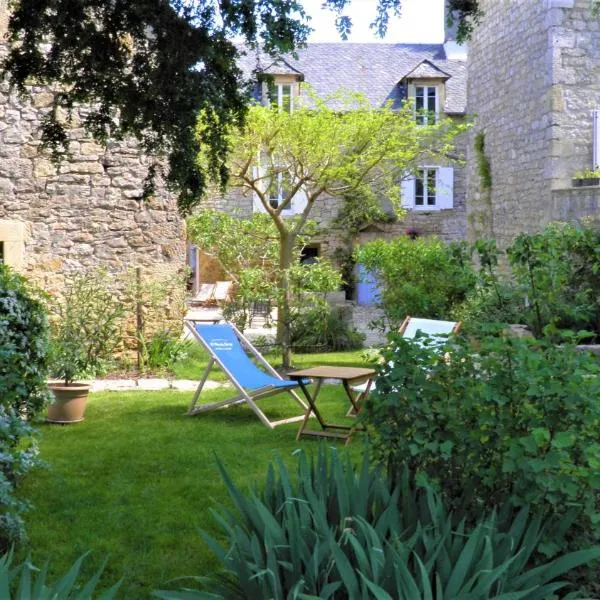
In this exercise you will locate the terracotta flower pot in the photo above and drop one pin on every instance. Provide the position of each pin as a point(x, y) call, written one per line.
point(69, 403)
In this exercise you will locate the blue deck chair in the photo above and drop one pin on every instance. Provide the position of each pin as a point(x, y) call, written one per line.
point(227, 347)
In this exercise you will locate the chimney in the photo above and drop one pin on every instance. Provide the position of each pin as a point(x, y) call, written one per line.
point(452, 49)
point(449, 30)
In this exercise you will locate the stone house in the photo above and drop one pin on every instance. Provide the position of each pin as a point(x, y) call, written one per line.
point(534, 86)
point(429, 75)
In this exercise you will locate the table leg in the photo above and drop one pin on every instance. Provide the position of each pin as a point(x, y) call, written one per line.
point(312, 408)
point(312, 403)
point(356, 400)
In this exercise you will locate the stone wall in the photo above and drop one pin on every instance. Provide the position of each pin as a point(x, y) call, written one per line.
point(533, 82)
point(86, 213)
point(575, 205)
point(509, 91)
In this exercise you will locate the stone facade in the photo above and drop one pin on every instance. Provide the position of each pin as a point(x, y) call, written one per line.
point(87, 213)
point(533, 83)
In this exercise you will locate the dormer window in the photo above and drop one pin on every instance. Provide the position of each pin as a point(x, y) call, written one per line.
point(281, 95)
point(427, 104)
point(426, 91)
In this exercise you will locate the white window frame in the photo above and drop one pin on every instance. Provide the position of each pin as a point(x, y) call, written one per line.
point(425, 116)
point(423, 176)
point(279, 85)
point(296, 205)
point(444, 190)
point(279, 199)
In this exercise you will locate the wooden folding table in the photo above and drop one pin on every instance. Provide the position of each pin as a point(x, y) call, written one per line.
point(349, 376)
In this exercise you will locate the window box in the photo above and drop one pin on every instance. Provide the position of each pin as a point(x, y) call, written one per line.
point(586, 182)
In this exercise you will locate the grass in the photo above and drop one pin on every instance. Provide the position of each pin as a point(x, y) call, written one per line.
point(137, 479)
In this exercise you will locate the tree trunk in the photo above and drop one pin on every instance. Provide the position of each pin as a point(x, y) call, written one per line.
point(286, 247)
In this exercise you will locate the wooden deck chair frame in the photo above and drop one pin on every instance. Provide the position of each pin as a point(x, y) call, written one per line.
point(243, 396)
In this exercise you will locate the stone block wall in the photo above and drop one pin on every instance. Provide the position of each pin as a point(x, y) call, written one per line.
point(574, 40)
point(533, 83)
point(84, 214)
point(509, 92)
point(575, 205)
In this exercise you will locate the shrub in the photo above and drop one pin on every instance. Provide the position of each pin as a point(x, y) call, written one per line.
point(324, 329)
point(164, 350)
point(337, 532)
point(493, 298)
point(23, 393)
point(510, 420)
point(421, 277)
point(559, 271)
point(85, 326)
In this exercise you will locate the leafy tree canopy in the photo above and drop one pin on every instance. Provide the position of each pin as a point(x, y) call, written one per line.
point(325, 152)
point(148, 67)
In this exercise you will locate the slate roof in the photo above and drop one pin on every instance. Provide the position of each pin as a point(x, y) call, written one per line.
point(376, 70)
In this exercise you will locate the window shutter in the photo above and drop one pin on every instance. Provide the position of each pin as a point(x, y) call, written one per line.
point(596, 135)
point(445, 187)
point(299, 202)
point(407, 191)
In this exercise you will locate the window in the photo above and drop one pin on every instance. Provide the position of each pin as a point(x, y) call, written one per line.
point(281, 95)
point(280, 185)
point(426, 104)
point(309, 255)
point(1, 253)
point(425, 187)
point(430, 188)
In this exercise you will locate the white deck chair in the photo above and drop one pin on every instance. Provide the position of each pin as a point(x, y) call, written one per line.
point(227, 348)
point(409, 329)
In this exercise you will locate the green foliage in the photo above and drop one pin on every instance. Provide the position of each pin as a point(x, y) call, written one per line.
point(334, 531)
point(423, 277)
point(23, 393)
point(506, 419)
point(337, 146)
point(321, 329)
point(587, 174)
point(164, 350)
point(26, 582)
point(493, 299)
point(126, 62)
point(558, 269)
point(483, 162)
point(248, 250)
point(85, 326)
point(154, 308)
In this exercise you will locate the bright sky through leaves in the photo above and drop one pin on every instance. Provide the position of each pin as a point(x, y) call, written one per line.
point(422, 22)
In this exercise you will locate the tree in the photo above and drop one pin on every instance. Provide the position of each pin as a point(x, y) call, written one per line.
point(146, 68)
point(334, 147)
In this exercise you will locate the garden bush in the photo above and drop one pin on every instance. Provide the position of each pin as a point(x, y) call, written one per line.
point(495, 297)
point(421, 277)
point(323, 329)
point(506, 419)
point(558, 269)
point(334, 531)
point(553, 284)
point(85, 326)
point(23, 393)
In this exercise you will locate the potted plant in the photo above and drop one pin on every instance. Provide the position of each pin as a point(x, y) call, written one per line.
point(587, 178)
point(85, 322)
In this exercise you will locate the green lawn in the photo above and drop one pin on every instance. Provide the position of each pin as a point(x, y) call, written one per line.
point(136, 480)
